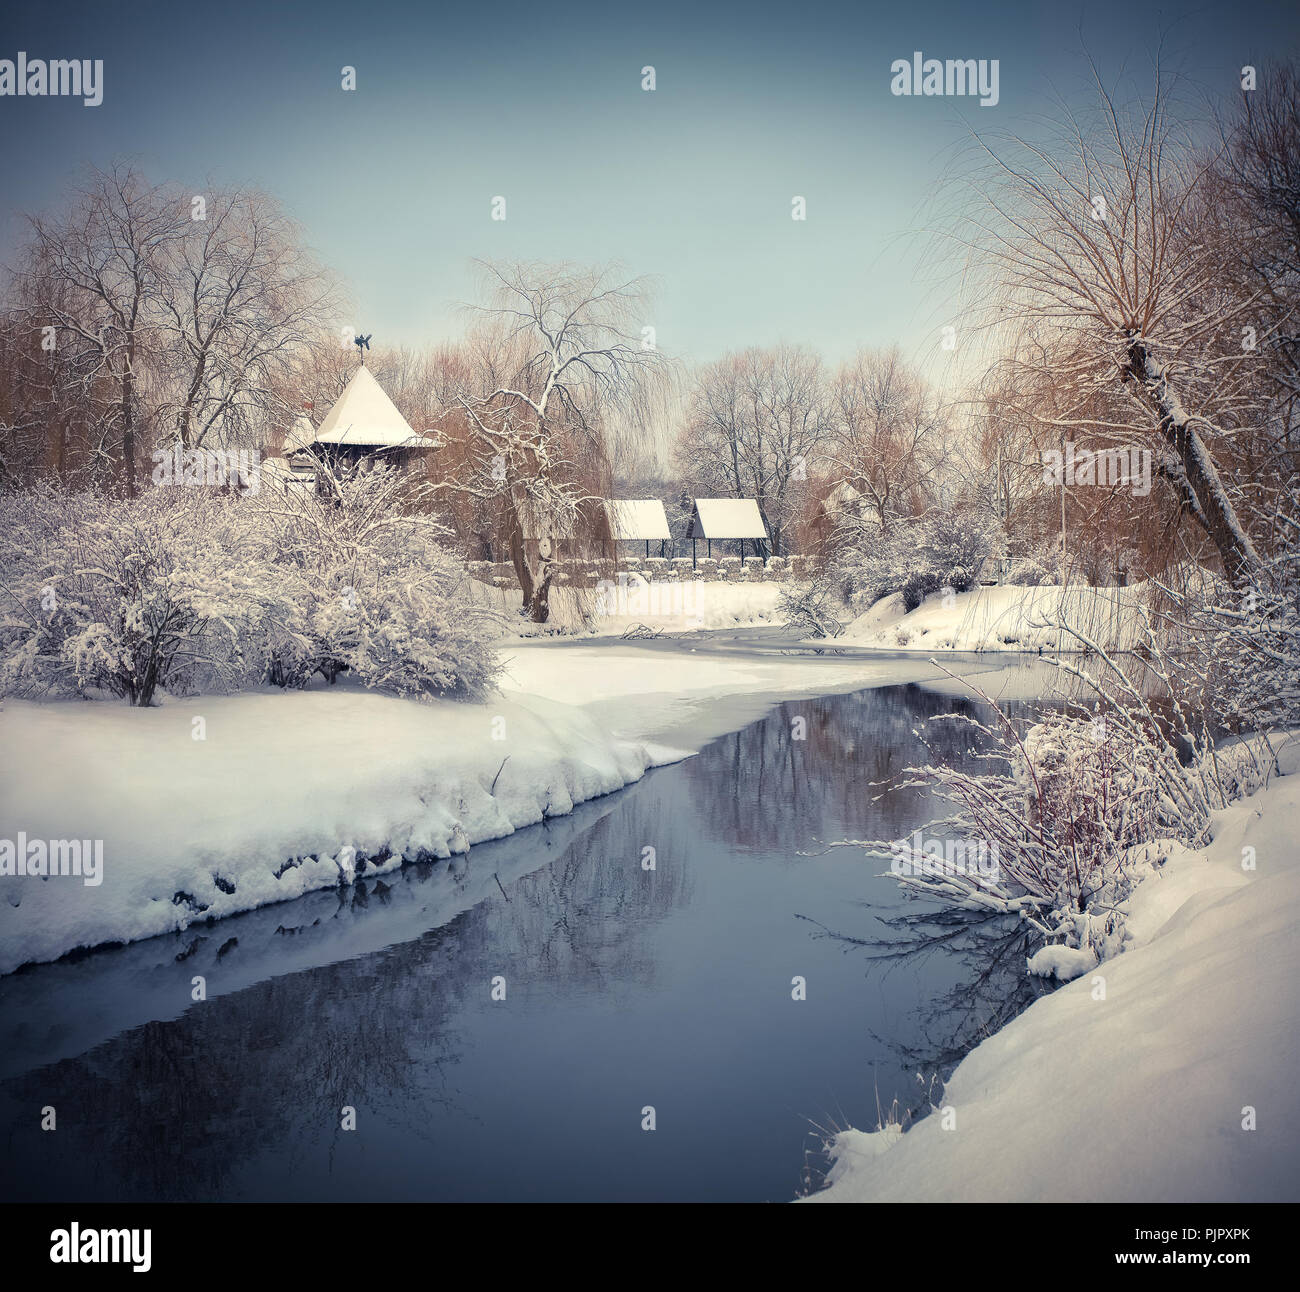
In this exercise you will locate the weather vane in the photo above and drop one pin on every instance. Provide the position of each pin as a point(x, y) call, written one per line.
point(363, 344)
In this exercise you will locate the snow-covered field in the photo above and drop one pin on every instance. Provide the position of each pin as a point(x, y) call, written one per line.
point(1003, 618)
point(670, 606)
point(1177, 1084)
point(688, 694)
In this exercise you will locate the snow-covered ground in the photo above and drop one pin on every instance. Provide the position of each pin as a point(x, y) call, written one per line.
point(1178, 1084)
point(286, 792)
point(670, 606)
point(693, 691)
point(1003, 618)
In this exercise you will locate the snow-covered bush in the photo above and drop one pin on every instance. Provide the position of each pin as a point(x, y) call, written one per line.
point(810, 608)
point(195, 590)
point(126, 596)
point(1244, 642)
point(369, 585)
point(1027, 572)
point(914, 556)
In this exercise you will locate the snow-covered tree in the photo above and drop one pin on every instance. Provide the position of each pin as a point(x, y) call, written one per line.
point(1115, 288)
point(561, 348)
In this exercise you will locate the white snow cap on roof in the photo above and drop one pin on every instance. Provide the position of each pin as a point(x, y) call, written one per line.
point(364, 415)
point(727, 518)
point(299, 435)
point(641, 518)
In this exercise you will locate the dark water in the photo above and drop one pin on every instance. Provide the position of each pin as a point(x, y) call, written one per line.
point(625, 988)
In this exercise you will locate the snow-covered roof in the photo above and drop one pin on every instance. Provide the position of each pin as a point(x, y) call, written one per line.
point(299, 435)
point(726, 518)
point(640, 518)
point(364, 416)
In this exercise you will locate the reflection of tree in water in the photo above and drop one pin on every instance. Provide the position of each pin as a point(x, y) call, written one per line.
point(990, 946)
point(775, 793)
point(771, 792)
point(587, 920)
point(172, 1110)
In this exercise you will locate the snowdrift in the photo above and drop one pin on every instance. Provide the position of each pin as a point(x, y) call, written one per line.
point(1003, 618)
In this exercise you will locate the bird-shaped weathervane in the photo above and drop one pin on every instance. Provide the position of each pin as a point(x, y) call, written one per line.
point(363, 344)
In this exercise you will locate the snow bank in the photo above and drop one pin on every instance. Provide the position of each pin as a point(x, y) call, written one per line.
point(285, 793)
point(1140, 1095)
point(1003, 618)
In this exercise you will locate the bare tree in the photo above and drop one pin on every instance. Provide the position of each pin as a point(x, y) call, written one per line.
point(755, 425)
point(560, 350)
point(1098, 242)
point(239, 299)
point(888, 434)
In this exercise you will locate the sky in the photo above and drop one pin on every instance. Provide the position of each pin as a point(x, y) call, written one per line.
point(690, 183)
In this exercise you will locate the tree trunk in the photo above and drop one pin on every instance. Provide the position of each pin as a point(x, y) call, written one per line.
point(1202, 488)
point(128, 430)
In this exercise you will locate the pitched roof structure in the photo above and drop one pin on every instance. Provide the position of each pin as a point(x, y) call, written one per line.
point(637, 518)
point(726, 518)
point(364, 417)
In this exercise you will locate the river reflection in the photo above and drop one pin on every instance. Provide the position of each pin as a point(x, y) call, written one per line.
point(625, 988)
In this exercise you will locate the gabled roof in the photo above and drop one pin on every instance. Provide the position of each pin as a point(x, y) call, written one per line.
point(639, 518)
point(364, 416)
point(726, 518)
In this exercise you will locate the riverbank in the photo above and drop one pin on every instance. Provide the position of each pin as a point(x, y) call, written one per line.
point(211, 806)
point(1165, 1075)
point(1003, 618)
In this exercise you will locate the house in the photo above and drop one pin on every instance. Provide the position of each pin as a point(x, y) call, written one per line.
point(363, 427)
point(726, 518)
point(636, 520)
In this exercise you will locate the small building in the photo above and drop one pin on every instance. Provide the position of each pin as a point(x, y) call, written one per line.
point(636, 520)
point(364, 427)
point(287, 476)
point(726, 518)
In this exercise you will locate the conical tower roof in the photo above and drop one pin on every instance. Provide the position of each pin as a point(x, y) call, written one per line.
point(365, 417)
